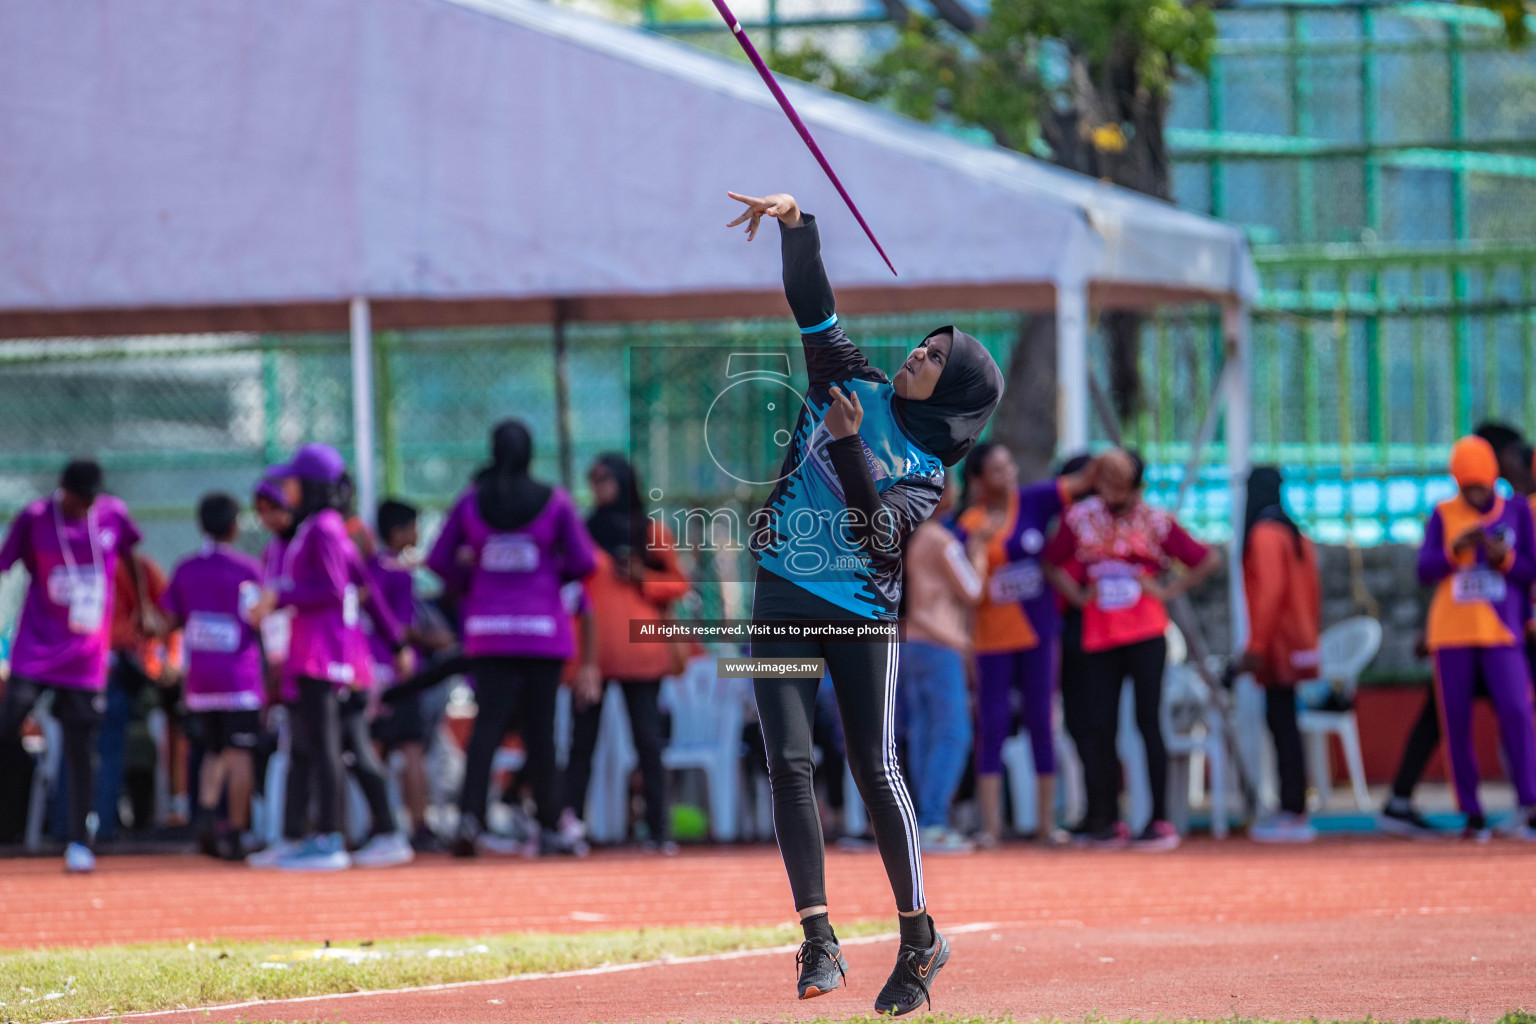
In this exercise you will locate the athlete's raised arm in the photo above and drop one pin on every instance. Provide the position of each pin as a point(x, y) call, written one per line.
point(829, 355)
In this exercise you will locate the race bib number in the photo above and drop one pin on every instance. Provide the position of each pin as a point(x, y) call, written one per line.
point(213, 633)
point(1117, 593)
point(87, 602)
point(1473, 585)
point(349, 610)
point(277, 635)
point(511, 552)
point(250, 596)
point(1017, 581)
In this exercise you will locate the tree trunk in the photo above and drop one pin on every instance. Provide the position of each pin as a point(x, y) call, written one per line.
point(1026, 419)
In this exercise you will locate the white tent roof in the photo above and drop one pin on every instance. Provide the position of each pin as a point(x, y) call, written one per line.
point(170, 164)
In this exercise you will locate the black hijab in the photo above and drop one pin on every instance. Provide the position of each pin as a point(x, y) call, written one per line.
point(620, 527)
point(948, 422)
point(506, 496)
point(1264, 504)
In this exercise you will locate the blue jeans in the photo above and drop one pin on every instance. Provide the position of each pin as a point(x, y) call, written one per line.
point(112, 752)
point(931, 680)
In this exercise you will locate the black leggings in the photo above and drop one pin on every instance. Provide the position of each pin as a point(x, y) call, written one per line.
point(1104, 673)
point(78, 713)
point(359, 757)
point(314, 758)
point(864, 678)
point(1280, 712)
point(527, 688)
point(641, 699)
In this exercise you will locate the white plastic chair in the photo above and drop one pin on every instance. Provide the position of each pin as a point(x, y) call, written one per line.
point(1345, 650)
point(275, 788)
point(613, 759)
point(1195, 736)
point(707, 716)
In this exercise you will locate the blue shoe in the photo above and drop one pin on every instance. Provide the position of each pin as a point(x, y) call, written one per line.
point(317, 853)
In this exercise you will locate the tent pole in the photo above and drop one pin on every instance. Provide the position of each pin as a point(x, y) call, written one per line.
point(362, 407)
point(1072, 391)
point(1239, 374)
point(562, 396)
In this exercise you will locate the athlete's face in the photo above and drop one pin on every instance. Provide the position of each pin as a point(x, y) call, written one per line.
point(919, 375)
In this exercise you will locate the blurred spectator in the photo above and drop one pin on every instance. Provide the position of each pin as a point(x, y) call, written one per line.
point(1113, 551)
point(637, 577)
point(510, 543)
point(212, 595)
point(1398, 815)
point(1478, 555)
point(136, 662)
point(943, 584)
point(1284, 615)
point(1017, 622)
point(401, 725)
point(70, 543)
point(323, 580)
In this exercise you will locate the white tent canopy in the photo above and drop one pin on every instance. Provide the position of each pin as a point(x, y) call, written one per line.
point(173, 165)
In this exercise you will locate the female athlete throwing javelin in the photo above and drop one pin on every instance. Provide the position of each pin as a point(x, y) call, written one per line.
point(865, 466)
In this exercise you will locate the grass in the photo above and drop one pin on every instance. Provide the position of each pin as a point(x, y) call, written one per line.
point(41, 985)
point(1516, 1017)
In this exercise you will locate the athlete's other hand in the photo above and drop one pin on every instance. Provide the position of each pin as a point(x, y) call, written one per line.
point(780, 205)
point(845, 414)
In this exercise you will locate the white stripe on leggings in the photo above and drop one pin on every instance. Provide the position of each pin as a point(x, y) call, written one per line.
point(898, 786)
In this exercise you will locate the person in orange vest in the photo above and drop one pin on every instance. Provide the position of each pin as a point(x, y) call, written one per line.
point(637, 577)
point(1284, 594)
point(1479, 553)
point(1398, 816)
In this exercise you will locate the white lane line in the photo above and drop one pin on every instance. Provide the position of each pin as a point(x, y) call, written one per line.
point(585, 972)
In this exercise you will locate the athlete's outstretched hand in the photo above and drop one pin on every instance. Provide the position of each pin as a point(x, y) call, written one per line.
point(780, 205)
point(844, 414)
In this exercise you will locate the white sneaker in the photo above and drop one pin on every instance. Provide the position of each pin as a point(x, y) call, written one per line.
point(1283, 827)
point(78, 859)
point(317, 853)
point(385, 851)
point(269, 857)
point(939, 840)
point(1517, 825)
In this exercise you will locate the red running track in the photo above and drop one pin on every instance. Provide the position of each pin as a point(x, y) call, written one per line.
point(1348, 930)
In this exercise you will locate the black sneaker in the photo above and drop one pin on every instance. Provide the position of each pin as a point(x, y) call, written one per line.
point(464, 839)
point(424, 840)
point(907, 987)
point(1406, 822)
point(822, 967)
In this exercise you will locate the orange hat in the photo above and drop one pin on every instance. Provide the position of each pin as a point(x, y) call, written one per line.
point(1474, 463)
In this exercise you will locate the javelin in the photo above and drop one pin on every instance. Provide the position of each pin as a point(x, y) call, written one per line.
point(794, 119)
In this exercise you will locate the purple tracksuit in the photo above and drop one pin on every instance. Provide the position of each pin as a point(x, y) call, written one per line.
point(512, 606)
point(323, 580)
point(1476, 623)
point(212, 593)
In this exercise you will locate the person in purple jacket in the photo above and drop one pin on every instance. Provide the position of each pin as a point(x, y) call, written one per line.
point(70, 544)
point(210, 598)
point(509, 544)
point(1479, 553)
point(324, 582)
